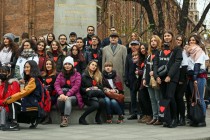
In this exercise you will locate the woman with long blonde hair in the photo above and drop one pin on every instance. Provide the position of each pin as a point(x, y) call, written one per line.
point(92, 92)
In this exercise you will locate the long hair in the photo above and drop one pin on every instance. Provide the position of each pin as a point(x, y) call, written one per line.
point(143, 56)
point(79, 55)
point(57, 44)
point(46, 72)
point(183, 40)
point(172, 43)
point(12, 46)
point(159, 43)
point(68, 75)
point(137, 36)
point(31, 42)
point(97, 74)
point(198, 41)
point(5, 69)
point(49, 42)
point(43, 43)
point(34, 70)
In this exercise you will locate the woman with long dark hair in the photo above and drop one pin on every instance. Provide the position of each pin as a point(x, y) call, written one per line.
point(67, 86)
point(23, 105)
point(79, 60)
point(41, 45)
point(8, 51)
point(27, 51)
point(50, 38)
point(170, 57)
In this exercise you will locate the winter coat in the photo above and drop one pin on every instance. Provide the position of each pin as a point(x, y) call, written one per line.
point(118, 58)
point(149, 66)
point(175, 59)
point(75, 84)
point(94, 54)
point(58, 59)
point(13, 87)
point(29, 96)
point(87, 82)
point(48, 82)
point(20, 65)
point(79, 66)
point(116, 80)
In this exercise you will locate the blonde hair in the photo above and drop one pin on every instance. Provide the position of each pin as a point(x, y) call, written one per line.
point(97, 76)
point(159, 43)
point(108, 63)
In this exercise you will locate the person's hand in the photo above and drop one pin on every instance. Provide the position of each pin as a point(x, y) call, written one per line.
point(22, 81)
point(113, 91)
point(94, 87)
point(151, 73)
point(158, 80)
point(195, 83)
point(65, 98)
point(144, 82)
point(180, 83)
point(168, 79)
point(87, 89)
point(61, 97)
point(136, 72)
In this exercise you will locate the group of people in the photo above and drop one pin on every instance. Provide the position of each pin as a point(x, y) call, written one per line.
point(92, 72)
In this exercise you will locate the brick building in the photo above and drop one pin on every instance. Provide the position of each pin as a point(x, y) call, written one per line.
point(37, 17)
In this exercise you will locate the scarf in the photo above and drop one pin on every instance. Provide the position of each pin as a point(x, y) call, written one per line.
point(26, 53)
point(194, 51)
point(110, 75)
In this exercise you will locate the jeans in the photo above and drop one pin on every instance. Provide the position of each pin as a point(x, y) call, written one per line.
point(201, 90)
point(65, 107)
point(112, 106)
point(155, 96)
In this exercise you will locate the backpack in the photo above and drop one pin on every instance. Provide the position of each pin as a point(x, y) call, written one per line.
point(45, 103)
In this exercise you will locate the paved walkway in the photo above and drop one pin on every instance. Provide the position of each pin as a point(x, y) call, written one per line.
point(130, 130)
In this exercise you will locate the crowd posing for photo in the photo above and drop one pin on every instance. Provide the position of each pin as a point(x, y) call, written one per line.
point(92, 73)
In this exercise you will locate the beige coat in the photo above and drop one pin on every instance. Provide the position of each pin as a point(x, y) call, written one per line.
point(117, 58)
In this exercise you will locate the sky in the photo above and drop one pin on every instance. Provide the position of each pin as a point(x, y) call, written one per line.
point(201, 5)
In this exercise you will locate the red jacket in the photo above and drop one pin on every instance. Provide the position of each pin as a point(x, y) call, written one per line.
point(13, 88)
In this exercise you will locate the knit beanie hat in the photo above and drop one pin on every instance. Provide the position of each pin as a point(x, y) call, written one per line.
point(10, 36)
point(69, 60)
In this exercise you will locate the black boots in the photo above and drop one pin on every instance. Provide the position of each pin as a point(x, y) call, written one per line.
point(182, 122)
point(173, 123)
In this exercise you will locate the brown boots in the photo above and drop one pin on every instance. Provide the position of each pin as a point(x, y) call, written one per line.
point(64, 121)
point(145, 119)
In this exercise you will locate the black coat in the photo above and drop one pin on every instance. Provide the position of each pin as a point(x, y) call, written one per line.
point(175, 59)
point(94, 54)
point(59, 62)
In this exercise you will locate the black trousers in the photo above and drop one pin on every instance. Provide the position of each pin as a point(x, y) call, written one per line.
point(144, 102)
point(93, 104)
point(179, 94)
point(15, 113)
point(168, 91)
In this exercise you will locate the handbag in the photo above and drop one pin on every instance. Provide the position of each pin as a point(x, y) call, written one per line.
point(164, 111)
point(117, 96)
point(196, 111)
point(152, 82)
point(163, 70)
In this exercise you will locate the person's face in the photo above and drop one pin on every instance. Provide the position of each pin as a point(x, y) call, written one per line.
point(26, 45)
point(143, 50)
point(135, 57)
point(134, 47)
point(153, 43)
point(67, 66)
point(133, 36)
point(50, 37)
point(113, 30)
point(40, 46)
point(90, 31)
point(179, 41)
point(113, 40)
point(94, 41)
point(74, 50)
point(62, 40)
point(93, 66)
point(192, 41)
point(167, 37)
point(54, 46)
point(6, 41)
point(41, 38)
point(34, 39)
point(27, 69)
point(79, 43)
point(48, 65)
point(72, 38)
point(108, 68)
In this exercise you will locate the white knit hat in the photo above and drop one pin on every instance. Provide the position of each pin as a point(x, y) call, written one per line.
point(68, 59)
